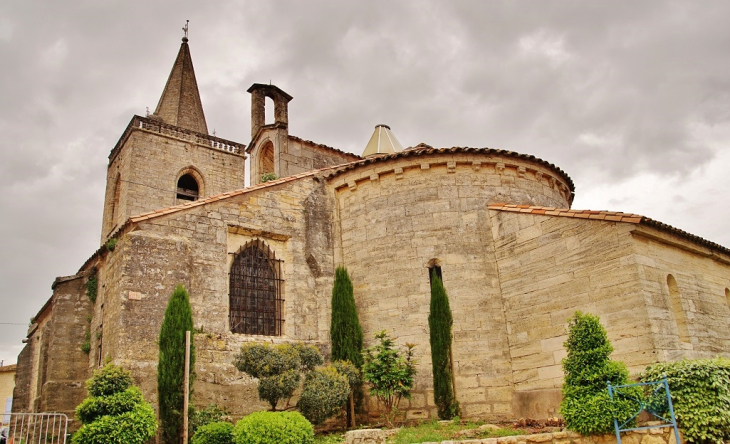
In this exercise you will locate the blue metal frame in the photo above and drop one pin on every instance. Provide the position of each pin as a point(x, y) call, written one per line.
point(644, 405)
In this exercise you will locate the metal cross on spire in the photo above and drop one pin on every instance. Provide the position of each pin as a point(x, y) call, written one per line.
point(185, 29)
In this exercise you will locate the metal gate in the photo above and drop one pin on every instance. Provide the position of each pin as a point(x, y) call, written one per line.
point(37, 428)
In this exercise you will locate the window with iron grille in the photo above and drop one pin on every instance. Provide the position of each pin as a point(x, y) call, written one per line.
point(255, 291)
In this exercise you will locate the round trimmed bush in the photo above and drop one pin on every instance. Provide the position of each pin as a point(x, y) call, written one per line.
point(325, 392)
point(220, 432)
point(273, 428)
point(133, 427)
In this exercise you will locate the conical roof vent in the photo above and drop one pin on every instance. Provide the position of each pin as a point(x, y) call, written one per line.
point(382, 142)
point(180, 102)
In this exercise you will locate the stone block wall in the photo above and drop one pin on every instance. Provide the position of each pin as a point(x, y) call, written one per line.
point(397, 219)
point(149, 165)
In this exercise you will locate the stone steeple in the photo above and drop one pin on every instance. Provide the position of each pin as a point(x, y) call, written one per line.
point(180, 102)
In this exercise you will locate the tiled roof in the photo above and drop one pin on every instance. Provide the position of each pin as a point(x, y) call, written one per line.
point(325, 147)
point(8, 368)
point(613, 216)
point(423, 149)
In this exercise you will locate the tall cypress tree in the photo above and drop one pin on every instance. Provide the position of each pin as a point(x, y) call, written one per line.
point(171, 366)
point(439, 324)
point(345, 330)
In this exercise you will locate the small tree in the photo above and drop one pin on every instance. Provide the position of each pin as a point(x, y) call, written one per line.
point(439, 324)
point(277, 368)
point(171, 366)
point(586, 406)
point(115, 411)
point(389, 373)
point(325, 392)
point(345, 331)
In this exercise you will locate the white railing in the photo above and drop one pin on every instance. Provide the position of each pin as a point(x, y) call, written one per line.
point(36, 428)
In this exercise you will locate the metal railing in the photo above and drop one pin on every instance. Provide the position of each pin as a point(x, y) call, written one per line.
point(37, 428)
point(655, 400)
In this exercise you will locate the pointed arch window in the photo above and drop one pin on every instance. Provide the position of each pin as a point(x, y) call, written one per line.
point(255, 291)
point(187, 188)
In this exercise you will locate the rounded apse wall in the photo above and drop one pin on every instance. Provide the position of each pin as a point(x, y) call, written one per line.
point(397, 215)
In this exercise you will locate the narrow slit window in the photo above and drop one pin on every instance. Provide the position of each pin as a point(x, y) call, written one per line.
point(675, 299)
point(255, 291)
point(187, 188)
point(437, 270)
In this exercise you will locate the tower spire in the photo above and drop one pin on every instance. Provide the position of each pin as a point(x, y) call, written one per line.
point(180, 103)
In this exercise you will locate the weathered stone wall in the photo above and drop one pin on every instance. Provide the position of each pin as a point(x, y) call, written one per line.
point(22, 401)
point(66, 365)
point(196, 247)
point(396, 218)
point(702, 277)
point(149, 165)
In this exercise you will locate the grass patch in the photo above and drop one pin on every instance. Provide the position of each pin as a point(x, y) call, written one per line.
point(432, 431)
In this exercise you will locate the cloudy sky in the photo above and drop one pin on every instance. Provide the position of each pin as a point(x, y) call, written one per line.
point(631, 99)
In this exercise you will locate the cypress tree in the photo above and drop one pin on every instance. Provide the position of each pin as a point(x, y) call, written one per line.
point(345, 330)
point(171, 366)
point(439, 324)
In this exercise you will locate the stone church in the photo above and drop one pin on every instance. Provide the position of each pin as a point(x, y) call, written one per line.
point(259, 261)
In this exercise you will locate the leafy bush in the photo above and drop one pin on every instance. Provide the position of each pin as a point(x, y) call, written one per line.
point(348, 369)
point(220, 432)
point(111, 244)
point(273, 428)
point(700, 392)
point(92, 287)
point(278, 368)
point(389, 373)
point(586, 406)
point(171, 365)
point(268, 177)
point(439, 324)
point(325, 392)
point(115, 411)
point(207, 415)
point(109, 380)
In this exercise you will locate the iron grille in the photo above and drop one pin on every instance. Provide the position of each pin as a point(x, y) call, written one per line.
point(255, 291)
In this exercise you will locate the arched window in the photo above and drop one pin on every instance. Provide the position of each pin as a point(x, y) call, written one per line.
point(187, 188)
point(255, 291)
point(266, 159)
point(675, 298)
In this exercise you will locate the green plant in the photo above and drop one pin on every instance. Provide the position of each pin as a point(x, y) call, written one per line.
point(273, 428)
point(268, 177)
point(586, 406)
point(389, 373)
point(111, 244)
point(278, 368)
point(700, 392)
point(92, 287)
point(439, 324)
point(345, 332)
point(207, 415)
point(325, 392)
point(171, 366)
point(115, 411)
point(219, 432)
point(86, 345)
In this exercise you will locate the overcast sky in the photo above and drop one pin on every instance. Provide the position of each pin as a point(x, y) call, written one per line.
point(631, 99)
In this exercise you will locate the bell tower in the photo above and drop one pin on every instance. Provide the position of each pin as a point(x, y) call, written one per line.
point(168, 158)
point(268, 142)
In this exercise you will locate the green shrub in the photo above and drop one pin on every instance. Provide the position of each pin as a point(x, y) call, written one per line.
point(325, 392)
point(348, 369)
point(278, 368)
point(389, 373)
point(273, 428)
point(439, 324)
point(171, 365)
point(220, 432)
point(115, 404)
point(268, 177)
point(115, 411)
point(586, 406)
point(109, 380)
point(207, 415)
point(700, 392)
point(111, 244)
point(92, 287)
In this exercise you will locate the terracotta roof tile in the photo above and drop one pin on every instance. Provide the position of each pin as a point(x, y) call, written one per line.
point(612, 216)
